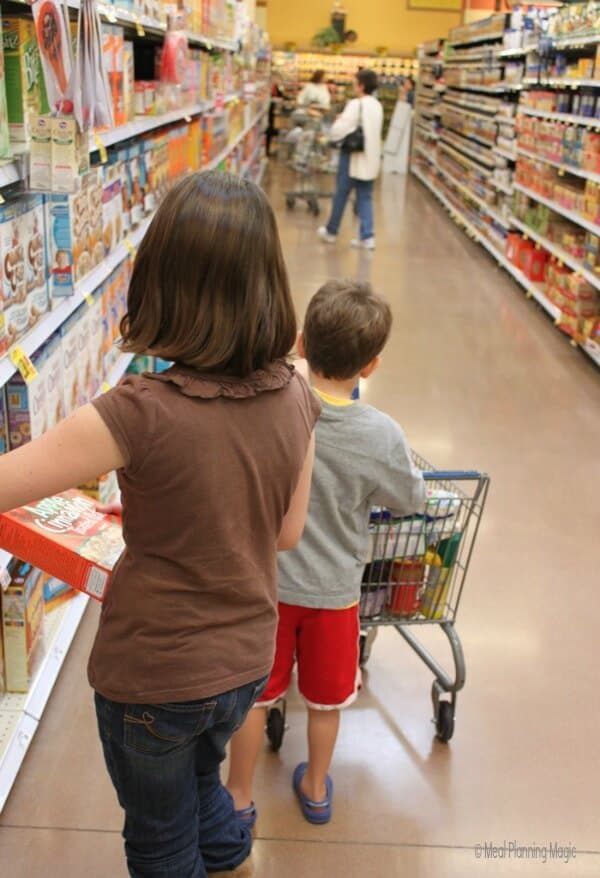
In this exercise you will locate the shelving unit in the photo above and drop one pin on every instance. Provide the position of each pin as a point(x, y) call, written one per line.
point(463, 169)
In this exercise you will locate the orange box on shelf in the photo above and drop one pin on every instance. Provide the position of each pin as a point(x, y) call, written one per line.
point(67, 538)
point(515, 246)
point(532, 263)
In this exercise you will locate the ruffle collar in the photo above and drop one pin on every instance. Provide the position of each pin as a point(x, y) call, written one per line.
point(205, 386)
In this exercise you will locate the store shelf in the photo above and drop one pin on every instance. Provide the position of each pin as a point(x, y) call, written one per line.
point(428, 156)
point(513, 53)
point(20, 714)
point(482, 38)
point(558, 208)
point(505, 153)
point(560, 117)
point(481, 115)
point(578, 172)
point(575, 42)
point(562, 82)
point(464, 148)
point(505, 120)
point(498, 89)
point(501, 187)
point(559, 252)
point(48, 324)
point(592, 349)
point(143, 124)
point(531, 288)
point(477, 199)
point(422, 131)
point(480, 109)
point(446, 147)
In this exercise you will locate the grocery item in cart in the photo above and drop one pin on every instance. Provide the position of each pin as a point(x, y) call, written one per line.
point(441, 561)
point(66, 537)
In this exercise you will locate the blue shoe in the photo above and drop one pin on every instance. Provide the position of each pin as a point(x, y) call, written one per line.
point(247, 816)
point(314, 812)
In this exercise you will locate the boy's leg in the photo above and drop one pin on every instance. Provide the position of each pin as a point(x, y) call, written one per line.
point(328, 677)
point(247, 742)
point(323, 727)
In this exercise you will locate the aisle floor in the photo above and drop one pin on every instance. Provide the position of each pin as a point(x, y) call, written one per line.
point(479, 378)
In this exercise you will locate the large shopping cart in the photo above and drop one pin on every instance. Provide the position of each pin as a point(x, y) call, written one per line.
point(311, 158)
point(414, 577)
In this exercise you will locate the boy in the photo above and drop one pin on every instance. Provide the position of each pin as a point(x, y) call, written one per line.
point(362, 459)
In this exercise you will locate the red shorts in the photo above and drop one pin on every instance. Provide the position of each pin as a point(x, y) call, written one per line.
point(325, 643)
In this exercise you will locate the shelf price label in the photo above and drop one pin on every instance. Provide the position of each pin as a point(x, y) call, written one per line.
point(101, 149)
point(105, 387)
point(23, 364)
point(130, 248)
point(139, 28)
point(1, 198)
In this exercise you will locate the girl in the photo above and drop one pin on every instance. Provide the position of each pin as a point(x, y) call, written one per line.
point(214, 459)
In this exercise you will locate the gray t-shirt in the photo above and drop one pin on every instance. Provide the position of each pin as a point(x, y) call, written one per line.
point(362, 460)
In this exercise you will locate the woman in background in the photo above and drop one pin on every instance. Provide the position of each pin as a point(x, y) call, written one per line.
point(316, 92)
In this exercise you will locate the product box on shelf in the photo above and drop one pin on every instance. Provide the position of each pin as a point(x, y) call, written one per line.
point(56, 592)
point(23, 75)
point(69, 230)
point(66, 537)
point(33, 407)
point(69, 348)
point(85, 381)
point(4, 130)
point(22, 625)
point(3, 422)
point(14, 285)
point(103, 490)
point(70, 155)
point(112, 220)
point(36, 266)
point(96, 347)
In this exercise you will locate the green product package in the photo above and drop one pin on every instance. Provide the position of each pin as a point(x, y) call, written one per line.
point(4, 134)
point(23, 75)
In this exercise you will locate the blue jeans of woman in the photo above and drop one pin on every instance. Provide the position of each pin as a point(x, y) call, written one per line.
point(164, 761)
point(364, 199)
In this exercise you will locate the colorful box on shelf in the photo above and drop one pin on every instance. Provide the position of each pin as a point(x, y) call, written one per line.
point(22, 625)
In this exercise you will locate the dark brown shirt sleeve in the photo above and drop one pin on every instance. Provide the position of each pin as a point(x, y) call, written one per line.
point(129, 413)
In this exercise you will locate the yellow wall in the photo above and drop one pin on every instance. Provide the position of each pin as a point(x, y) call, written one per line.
point(378, 23)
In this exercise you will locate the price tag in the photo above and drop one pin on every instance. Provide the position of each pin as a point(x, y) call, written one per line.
point(22, 362)
point(557, 321)
point(105, 387)
point(110, 15)
point(130, 248)
point(187, 119)
point(139, 28)
point(1, 198)
point(101, 149)
point(529, 294)
point(209, 46)
point(90, 300)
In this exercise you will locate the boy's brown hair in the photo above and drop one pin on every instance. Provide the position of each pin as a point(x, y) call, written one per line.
point(346, 326)
point(209, 287)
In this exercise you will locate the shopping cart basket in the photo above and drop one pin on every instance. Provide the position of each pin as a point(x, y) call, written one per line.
point(310, 157)
point(415, 576)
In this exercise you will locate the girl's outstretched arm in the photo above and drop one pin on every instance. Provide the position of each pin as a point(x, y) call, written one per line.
point(80, 448)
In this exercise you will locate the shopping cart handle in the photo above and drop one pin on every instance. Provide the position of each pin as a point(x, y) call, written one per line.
point(451, 475)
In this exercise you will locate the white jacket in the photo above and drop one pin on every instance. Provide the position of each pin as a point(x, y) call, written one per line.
point(363, 165)
point(315, 93)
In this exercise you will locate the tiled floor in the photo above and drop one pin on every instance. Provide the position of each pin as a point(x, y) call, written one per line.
point(479, 378)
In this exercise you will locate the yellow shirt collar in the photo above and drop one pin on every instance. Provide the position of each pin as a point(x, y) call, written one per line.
point(332, 400)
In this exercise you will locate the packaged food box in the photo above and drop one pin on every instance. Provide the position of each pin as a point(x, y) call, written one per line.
point(55, 592)
point(104, 489)
point(4, 129)
point(14, 281)
point(27, 413)
point(23, 75)
point(70, 368)
point(3, 422)
point(22, 625)
point(94, 188)
point(66, 537)
point(69, 232)
point(36, 266)
point(96, 344)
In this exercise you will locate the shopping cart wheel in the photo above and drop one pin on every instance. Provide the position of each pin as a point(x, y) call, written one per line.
point(290, 202)
point(444, 721)
point(276, 725)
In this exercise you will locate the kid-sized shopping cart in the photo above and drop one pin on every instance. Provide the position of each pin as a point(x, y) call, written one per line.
point(415, 576)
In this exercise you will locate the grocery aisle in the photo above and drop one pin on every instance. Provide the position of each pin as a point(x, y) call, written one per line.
point(478, 377)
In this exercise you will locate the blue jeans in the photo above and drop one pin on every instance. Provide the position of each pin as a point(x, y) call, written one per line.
point(364, 200)
point(164, 763)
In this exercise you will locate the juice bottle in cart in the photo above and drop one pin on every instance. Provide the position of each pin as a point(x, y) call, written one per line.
point(435, 594)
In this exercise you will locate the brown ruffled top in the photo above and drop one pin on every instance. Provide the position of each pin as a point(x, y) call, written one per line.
point(206, 386)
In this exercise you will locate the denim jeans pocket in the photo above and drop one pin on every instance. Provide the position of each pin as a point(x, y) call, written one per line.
point(157, 729)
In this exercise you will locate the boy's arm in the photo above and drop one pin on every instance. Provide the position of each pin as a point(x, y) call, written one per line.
point(401, 486)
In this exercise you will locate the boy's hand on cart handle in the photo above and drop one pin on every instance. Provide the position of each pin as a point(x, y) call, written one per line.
point(110, 509)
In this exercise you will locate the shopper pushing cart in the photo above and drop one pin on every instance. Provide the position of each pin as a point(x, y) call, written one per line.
point(362, 460)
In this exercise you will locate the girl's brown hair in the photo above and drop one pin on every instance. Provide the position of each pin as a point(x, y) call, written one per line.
point(209, 287)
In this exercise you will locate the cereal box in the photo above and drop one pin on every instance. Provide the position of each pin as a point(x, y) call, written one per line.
point(3, 422)
point(27, 415)
point(36, 267)
point(14, 282)
point(94, 190)
point(53, 373)
point(96, 346)
point(112, 221)
point(84, 364)
point(70, 368)
point(22, 71)
point(55, 592)
point(104, 489)
point(22, 625)
point(68, 538)
point(68, 230)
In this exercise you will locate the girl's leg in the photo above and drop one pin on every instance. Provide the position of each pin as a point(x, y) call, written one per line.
point(245, 747)
point(150, 756)
point(342, 193)
point(364, 194)
point(323, 727)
